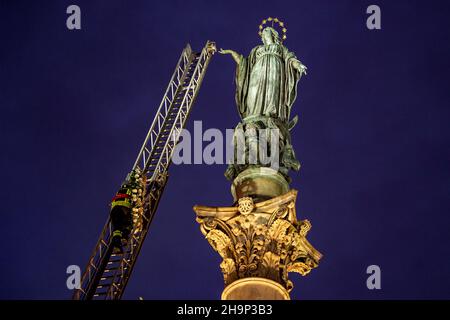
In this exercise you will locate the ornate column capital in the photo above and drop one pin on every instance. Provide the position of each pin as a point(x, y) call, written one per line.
point(262, 239)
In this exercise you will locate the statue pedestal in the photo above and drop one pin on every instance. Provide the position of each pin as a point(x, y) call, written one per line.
point(255, 289)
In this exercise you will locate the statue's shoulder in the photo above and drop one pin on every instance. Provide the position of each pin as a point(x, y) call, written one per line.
point(288, 53)
point(252, 55)
point(284, 48)
point(255, 49)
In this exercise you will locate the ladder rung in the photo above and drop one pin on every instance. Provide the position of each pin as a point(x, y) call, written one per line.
point(101, 294)
point(101, 286)
point(114, 269)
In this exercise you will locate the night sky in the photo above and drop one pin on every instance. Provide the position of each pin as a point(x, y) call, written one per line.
point(373, 140)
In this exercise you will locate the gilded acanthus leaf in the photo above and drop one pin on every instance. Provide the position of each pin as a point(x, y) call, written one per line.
point(277, 230)
point(271, 260)
point(219, 241)
point(299, 267)
point(228, 268)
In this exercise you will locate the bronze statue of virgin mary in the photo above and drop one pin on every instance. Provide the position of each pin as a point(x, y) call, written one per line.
point(266, 89)
point(266, 81)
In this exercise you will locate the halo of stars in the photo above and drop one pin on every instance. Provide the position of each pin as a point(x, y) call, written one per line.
point(273, 20)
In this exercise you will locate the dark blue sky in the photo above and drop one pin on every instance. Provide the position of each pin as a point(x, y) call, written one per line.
point(373, 140)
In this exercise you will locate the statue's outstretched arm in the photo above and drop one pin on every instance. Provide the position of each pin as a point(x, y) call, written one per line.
point(236, 56)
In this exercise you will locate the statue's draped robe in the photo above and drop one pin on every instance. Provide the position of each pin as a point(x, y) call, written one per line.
point(266, 82)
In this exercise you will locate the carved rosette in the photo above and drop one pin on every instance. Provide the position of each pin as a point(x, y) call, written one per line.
point(259, 240)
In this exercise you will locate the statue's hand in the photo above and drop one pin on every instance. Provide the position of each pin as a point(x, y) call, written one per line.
point(236, 56)
point(302, 68)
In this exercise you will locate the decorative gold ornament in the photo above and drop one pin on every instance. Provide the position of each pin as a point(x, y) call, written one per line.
point(266, 242)
point(273, 20)
point(137, 201)
point(245, 205)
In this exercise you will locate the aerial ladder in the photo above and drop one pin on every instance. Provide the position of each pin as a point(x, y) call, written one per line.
point(108, 271)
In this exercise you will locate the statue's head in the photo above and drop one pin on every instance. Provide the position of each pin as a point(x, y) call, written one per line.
point(270, 35)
